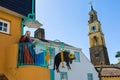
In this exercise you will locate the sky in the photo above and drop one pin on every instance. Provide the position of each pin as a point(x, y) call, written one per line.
point(67, 21)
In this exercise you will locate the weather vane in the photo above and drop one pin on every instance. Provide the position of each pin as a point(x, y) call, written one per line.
point(91, 2)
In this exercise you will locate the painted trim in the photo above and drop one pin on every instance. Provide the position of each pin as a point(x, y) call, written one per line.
point(53, 51)
point(21, 65)
point(52, 74)
point(8, 26)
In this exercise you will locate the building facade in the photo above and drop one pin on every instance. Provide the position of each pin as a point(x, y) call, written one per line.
point(108, 72)
point(25, 58)
point(12, 17)
point(81, 68)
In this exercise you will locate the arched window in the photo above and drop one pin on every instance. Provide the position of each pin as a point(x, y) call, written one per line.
point(95, 41)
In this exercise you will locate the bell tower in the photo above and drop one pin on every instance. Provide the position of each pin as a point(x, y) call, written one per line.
point(98, 50)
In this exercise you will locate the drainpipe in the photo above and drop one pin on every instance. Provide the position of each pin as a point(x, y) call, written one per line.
point(22, 26)
point(33, 8)
point(31, 17)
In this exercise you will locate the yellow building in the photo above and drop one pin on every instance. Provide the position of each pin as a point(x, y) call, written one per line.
point(108, 72)
point(12, 14)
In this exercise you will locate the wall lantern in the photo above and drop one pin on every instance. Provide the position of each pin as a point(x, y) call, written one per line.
point(30, 22)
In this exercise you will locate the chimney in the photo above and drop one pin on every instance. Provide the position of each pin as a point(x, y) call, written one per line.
point(39, 33)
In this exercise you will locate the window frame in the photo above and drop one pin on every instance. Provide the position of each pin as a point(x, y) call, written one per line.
point(91, 75)
point(61, 73)
point(78, 56)
point(53, 52)
point(8, 26)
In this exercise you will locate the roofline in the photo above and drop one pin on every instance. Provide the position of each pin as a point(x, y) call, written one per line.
point(106, 66)
point(11, 12)
point(57, 43)
point(111, 76)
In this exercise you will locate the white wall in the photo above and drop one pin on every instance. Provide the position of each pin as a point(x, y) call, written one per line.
point(79, 70)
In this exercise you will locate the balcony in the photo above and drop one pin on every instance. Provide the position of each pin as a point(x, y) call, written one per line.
point(27, 55)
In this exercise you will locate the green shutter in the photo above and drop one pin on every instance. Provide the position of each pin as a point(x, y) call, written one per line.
point(65, 75)
point(77, 56)
point(90, 76)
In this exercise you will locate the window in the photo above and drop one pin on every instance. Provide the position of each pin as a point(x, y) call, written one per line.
point(39, 48)
point(97, 56)
point(90, 76)
point(52, 55)
point(63, 76)
point(4, 26)
point(95, 41)
point(77, 56)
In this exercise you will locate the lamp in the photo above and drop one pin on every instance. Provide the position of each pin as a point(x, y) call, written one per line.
point(32, 24)
point(30, 20)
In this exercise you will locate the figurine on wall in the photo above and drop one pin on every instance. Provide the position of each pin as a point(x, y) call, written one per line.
point(26, 37)
point(26, 54)
point(67, 57)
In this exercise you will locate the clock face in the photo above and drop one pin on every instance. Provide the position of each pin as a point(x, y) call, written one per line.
point(93, 28)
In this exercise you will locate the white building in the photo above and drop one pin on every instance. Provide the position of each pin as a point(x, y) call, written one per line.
point(81, 68)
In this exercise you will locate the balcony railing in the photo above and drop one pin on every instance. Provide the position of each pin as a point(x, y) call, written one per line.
point(28, 56)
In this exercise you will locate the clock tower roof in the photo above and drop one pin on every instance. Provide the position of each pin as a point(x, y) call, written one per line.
point(92, 8)
point(92, 15)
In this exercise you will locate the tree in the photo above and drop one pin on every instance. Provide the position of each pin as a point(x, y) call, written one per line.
point(118, 54)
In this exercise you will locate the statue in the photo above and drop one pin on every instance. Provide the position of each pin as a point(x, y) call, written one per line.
point(26, 53)
point(67, 57)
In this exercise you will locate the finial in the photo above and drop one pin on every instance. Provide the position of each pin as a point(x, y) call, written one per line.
point(91, 6)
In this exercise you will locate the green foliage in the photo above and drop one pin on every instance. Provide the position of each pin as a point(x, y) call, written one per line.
point(118, 54)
